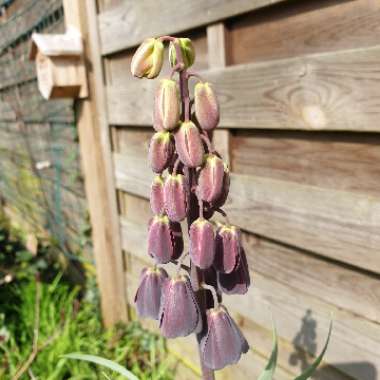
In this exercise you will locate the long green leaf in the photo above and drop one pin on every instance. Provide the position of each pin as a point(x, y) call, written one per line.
point(310, 370)
point(268, 372)
point(103, 362)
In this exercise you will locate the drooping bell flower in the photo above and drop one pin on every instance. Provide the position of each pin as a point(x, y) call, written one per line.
point(187, 49)
point(221, 200)
point(148, 295)
point(227, 248)
point(189, 144)
point(157, 195)
point(148, 58)
point(202, 243)
point(180, 314)
point(166, 106)
point(211, 179)
point(238, 281)
point(165, 242)
point(161, 150)
point(176, 197)
point(206, 106)
point(224, 343)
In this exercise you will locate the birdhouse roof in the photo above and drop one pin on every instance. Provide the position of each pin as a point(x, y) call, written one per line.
point(67, 44)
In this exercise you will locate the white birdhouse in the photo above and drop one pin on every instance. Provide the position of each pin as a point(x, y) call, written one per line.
point(61, 71)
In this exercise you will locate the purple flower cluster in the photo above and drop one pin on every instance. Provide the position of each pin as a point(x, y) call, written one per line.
point(191, 183)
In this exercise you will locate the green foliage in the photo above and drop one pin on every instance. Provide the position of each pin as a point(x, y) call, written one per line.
point(270, 368)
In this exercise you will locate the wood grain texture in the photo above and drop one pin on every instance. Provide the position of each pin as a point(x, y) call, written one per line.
point(121, 26)
point(332, 91)
point(341, 225)
point(296, 28)
point(292, 303)
point(337, 161)
point(95, 147)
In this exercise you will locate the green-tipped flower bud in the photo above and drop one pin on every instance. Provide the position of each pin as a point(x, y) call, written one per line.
point(176, 197)
point(227, 248)
point(187, 49)
point(166, 106)
point(206, 106)
point(161, 151)
point(157, 195)
point(210, 183)
point(148, 58)
point(189, 144)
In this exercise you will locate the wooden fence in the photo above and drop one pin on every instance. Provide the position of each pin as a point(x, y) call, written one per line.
point(298, 83)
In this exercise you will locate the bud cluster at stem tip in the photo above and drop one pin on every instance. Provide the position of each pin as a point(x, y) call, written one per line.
point(191, 183)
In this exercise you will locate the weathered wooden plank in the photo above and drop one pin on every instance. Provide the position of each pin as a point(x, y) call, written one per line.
point(297, 310)
point(337, 161)
point(121, 26)
point(316, 92)
point(95, 147)
point(338, 224)
point(295, 28)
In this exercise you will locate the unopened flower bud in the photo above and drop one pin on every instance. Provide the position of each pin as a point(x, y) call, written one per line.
point(161, 150)
point(148, 295)
point(202, 245)
point(157, 195)
point(176, 197)
point(221, 200)
point(238, 281)
point(224, 342)
point(187, 49)
point(206, 106)
point(189, 144)
point(180, 314)
point(165, 240)
point(210, 183)
point(166, 106)
point(148, 58)
point(227, 248)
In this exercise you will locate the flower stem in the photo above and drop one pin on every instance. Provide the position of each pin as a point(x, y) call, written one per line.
point(213, 292)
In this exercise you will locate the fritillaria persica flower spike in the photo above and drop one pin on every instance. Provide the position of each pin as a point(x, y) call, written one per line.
point(148, 59)
point(165, 241)
point(180, 314)
point(206, 106)
point(166, 106)
point(148, 295)
point(161, 150)
point(192, 183)
point(224, 343)
point(176, 197)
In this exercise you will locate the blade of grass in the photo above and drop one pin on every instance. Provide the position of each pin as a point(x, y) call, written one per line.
point(103, 362)
point(311, 369)
point(268, 372)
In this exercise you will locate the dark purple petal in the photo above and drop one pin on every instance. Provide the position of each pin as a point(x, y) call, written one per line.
point(238, 281)
point(225, 189)
point(165, 241)
point(180, 315)
point(224, 343)
point(227, 248)
point(148, 295)
point(161, 150)
point(202, 243)
point(176, 197)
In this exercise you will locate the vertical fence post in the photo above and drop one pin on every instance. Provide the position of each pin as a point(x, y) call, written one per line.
point(96, 155)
